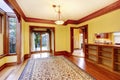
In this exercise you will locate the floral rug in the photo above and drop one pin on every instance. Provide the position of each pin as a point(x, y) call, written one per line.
point(53, 68)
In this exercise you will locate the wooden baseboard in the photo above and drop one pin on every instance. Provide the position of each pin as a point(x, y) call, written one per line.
point(39, 52)
point(26, 56)
point(2, 67)
point(77, 49)
point(8, 65)
point(62, 53)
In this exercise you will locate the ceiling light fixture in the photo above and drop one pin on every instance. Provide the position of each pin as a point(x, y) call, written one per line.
point(57, 9)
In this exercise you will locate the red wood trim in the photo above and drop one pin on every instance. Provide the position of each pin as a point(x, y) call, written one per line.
point(11, 64)
point(7, 65)
point(14, 5)
point(2, 56)
point(102, 11)
point(45, 27)
point(36, 20)
point(33, 52)
point(61, 53)
point(2, 67)
point(11, 54)
point(70, 22)
point(26, 56)
point(0, 23)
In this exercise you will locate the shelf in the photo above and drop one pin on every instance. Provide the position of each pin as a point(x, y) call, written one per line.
point(117, 54)
point(118, 63)
point(107, 58)
point(106, 52)
point(92, 49)
point(105, 66)
point(92, 61)
point(93, 54)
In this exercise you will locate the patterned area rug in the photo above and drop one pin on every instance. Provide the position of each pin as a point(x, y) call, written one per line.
point(53, 68)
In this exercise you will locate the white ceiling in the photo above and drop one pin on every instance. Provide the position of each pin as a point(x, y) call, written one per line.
point(70, 9)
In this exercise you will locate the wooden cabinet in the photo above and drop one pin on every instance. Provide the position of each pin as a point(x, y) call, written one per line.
point(107, 56)
point(92, 53)
point(117, 59)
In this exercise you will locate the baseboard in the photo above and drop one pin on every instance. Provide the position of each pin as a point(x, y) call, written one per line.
point(2, 67)
point(11, 64)
point(39, 52)
point(77, 49)
point(26, 56)
point(62, 53)
point(8, 65)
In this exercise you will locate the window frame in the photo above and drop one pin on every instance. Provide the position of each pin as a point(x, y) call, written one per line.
point(10, 15)
point(2, 31)
point(1, 23)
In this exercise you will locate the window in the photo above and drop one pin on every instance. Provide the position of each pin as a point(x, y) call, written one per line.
point(117, 37)
point(12, 34)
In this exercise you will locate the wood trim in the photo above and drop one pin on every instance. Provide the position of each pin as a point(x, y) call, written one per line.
point(7, 65)
point(0, 23)
point(62, 53)
point(45, 27)
point(26, 56)
point(38, 52)
point(14, 5)
point(18, 41)
point(84, 29)
point(36, 20)
point(70, 22)
point(11, 64)
point(2, 67)
point(2, 56)
point(77, 49)
point(102, 11)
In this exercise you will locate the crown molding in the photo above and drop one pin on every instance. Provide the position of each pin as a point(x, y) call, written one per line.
point(102, 11)
point(14, 5)
point(36, 20)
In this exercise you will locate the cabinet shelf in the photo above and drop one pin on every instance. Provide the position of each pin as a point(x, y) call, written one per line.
point(105, 51)
point(90, 60)
point(92, 49)
point(107, 58)
point(93, 54)
point(118, 63)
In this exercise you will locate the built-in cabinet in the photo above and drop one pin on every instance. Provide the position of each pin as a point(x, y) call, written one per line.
point(105, 55)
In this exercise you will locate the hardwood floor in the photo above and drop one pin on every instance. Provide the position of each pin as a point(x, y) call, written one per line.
point(13, 72)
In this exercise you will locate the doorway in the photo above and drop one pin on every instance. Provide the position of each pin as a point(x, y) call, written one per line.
point(79, 37)
point(40, 41)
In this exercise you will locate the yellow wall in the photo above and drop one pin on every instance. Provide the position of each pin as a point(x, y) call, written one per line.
point(1, 38)
point(2, 61)
point(1, 43)
point(109, 22)
point(60, 36)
